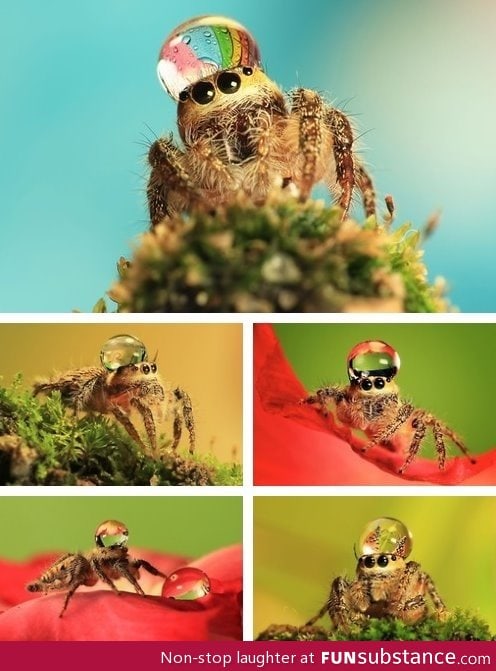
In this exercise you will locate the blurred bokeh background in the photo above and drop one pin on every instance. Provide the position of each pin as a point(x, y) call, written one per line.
point(81, 102)
point(204, 359)
point(444, 369)
point(189, 525)
point(302, 543)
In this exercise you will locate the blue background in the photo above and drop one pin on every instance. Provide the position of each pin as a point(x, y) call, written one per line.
point(80, 101)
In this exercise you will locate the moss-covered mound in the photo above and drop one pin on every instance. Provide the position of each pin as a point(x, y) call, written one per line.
point(42, 443)
point(460, 626)
point(284, 256)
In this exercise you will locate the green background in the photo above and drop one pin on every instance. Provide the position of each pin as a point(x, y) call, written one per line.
point(301, 544)
point(191, 525)
point(445, 368)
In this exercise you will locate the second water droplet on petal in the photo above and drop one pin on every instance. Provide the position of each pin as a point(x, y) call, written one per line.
point(186, 584)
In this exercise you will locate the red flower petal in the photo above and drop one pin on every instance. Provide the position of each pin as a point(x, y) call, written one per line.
point(295, 444)
point(102, 616)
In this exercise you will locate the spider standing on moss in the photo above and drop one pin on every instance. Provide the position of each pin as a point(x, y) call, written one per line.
point(126, 382)
point(107, 562)
point(385, 584)
point(371, 403)
point(240, 134)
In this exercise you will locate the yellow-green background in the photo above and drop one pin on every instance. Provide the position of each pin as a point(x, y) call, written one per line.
point(302, 543)
point(204, 359)
point(191, 525)
point(445, 368)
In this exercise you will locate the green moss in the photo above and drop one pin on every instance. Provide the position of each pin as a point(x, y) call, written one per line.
point(284, 256)
point(460, 626)
point(41, 443)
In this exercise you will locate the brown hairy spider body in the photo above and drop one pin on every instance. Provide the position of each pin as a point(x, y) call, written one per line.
point(386, 418)
point(75, 569)
point(118, 392)
point(385, 586)
point(241, 134)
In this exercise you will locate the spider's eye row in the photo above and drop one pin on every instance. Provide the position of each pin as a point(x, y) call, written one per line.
point(383, 560)
point(153, 367)
point(145, 368)
point(203, 92)
point(366, 384)
point(379, 383)
point(228, 82)
point(369, 562)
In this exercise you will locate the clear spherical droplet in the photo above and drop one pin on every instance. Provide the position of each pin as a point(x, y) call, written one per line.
point(122, 350)
point(186, 584)
point(385, 535)
point(111, 533)
point(373, 358)
point(201, 47)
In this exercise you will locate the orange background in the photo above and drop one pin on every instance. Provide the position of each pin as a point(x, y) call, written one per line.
point(204, 359)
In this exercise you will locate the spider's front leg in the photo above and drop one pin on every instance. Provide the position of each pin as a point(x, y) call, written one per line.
point(148, 421)
point(342, 605)
point(309, 109)
point(409, 602)
point(170, 188)
point(404, 412)
point(184, 400)
point(141, 563)
point(349, 172)
point(322, 397)
point(123, 418)
point(441, 429)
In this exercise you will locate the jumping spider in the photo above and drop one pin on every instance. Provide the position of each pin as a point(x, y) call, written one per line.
point(241, 134)
point(125, 382)
point(385, 585)
point(105, 562)
point(371, 403)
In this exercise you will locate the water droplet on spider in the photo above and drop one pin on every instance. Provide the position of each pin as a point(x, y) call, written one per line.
point(207, 33)
point(373, 358)
point(111, 533)
point(186, 584)
point(122, 350)
point(385, 535)
point(186, 39)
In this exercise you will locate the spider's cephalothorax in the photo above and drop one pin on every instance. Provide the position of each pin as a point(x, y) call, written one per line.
point(241, 134)
point(385, 584)
point(126, 381)
point(372, 404)
point(105, 562)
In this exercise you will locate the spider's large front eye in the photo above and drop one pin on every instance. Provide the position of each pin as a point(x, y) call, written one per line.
point(228, 82)
point(145, 368)
point(203, 93)
point(383, 560)
point(369, 562)
point(366, 385)
point(153, 367)
point(379, 383)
